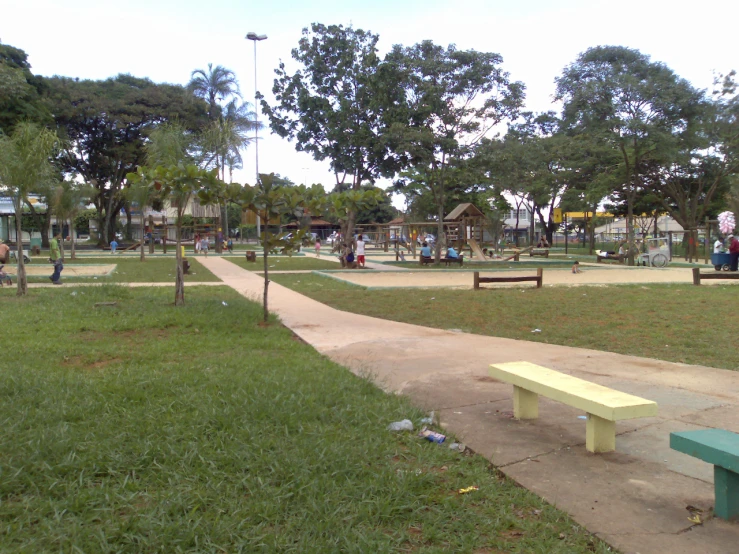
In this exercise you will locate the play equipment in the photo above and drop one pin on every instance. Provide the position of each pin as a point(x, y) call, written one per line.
point(476, 250)
point(517, 254)
point(538, 279)
point(603, 406)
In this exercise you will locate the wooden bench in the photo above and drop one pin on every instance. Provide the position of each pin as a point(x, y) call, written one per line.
point(542, 252)
point(618, 259)
point(425, 260)
point(720, 448)
point(538, 278)
point(603, 406)
point(697, 275)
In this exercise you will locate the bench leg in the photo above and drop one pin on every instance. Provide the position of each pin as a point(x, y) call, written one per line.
point(525, 403)
point(600, 434)
point(726, 484)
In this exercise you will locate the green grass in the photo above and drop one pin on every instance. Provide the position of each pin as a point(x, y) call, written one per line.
point(128, 270)
point(678, 323)
point(285, 263)
point(148, 428)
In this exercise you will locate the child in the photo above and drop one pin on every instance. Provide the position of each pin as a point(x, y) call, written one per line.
point(4, 277)
point(113, 246)
point(318, 247)
point(360, 251)
point(576, 267)
point(230, 245)
point(204, 245)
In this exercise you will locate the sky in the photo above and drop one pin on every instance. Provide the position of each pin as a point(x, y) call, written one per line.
point(165, 40)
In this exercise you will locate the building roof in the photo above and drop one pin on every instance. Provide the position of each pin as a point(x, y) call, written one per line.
point(467, 209)
point(397, 221)
point(314, 223)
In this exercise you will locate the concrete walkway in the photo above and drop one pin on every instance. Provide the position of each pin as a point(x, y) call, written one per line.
point(635, 498)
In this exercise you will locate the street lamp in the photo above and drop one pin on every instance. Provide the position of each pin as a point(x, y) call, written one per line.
point(256, 38)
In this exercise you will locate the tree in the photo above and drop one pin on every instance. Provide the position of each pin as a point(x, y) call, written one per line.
point(142, 194)
point(272, 201)
point(214, 85)
point(339, 105)
point(172, 176)
point(106, 125)
point(641, 108)
point(25, 164)
point(68, 201)
point(20, 90)
point(451, 100)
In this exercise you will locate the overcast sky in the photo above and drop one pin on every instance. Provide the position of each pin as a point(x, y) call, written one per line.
point(166, 39)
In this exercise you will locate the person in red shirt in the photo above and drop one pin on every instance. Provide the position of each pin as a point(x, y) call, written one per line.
point(734, 252)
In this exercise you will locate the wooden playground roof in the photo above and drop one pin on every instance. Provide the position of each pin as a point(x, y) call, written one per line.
point(314, 223)
point(397, 221)
point(466, 209)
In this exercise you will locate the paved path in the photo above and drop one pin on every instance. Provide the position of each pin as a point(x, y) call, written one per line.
point(634, 498)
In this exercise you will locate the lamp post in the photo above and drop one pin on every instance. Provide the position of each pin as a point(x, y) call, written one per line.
point(256, 38)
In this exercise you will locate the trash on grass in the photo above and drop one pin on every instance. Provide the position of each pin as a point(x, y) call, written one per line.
point(536, 331)
point(428, 420)
point(469, 489)
point(74, 293)
point(458, 446)
point(404, 425)
point(432, 436)
point(224, 303)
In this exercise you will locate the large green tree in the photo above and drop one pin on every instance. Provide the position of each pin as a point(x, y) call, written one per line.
point(20, 90)
point(640, 107)
point(214, 85)
point(451, 100)
point(106, 125)
point(338, 105)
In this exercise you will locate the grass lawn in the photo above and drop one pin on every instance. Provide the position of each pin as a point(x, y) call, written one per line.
point(148, 428)
point(285, 263)
point(128, 270)
point(678, 323)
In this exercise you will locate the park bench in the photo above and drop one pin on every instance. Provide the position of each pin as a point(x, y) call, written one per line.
point(426, 260)
point(698, 276)
point(541, 252)
point(618, 259)
point(720, 448)
point(538, 278)
point(603, 406)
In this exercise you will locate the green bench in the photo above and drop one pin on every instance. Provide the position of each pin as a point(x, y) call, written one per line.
point(720, 448)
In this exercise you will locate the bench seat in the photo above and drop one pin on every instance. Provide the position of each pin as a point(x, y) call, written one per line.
point(720, 448)
point(603, 406)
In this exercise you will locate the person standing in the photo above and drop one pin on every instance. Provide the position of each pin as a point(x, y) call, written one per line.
point(55, 258)
point(204, 245)
point(360, 251)
point(733, 253)
point(4, 253)
point(318, 247)
point(113, 245)
point(718, 246)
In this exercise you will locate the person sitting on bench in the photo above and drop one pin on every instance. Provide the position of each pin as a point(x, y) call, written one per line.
point(451, 253)
point(425, 250)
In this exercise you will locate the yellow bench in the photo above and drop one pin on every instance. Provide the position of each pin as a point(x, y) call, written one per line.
point(604, 406)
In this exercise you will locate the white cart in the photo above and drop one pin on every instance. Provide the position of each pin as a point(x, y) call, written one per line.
point(657, 254)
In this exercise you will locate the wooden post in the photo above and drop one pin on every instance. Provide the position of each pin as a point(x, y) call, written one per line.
point(600, 434)
point(525, 403)
point(517, 257)
point(708, 240)
point(539, 277)
point(477, 280)
point(696, 275)
point(151, 232)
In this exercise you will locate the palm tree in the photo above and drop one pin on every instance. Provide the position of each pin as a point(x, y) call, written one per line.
point(25, 166)
point(68, 199)
point(214, 85)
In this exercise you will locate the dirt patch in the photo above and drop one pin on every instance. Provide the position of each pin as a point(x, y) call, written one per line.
point(79, 362)
point(486, 379)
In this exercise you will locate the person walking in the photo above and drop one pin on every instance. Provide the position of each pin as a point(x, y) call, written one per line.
point(55, 258)
point(113, 246)
point(360, 251)
point(733, 252)
point(204, 245)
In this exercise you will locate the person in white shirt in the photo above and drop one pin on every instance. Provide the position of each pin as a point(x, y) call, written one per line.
point(360, 251)
point(718, 246)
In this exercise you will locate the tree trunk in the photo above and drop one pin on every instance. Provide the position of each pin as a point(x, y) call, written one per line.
point(266, 279)
point(71, 235)
point(151, 230)
point(351, 221)
point(45, 224)
point(440, 232)
point(179, 289)
point(129, 231)
point(630, 227)
point(142, 254)
point(22, 281)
